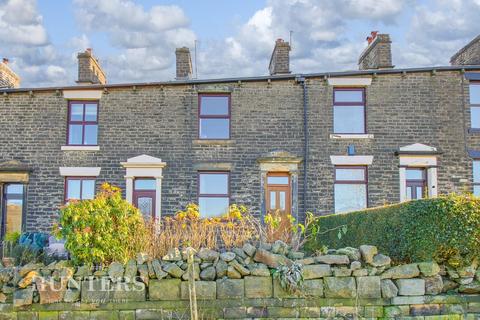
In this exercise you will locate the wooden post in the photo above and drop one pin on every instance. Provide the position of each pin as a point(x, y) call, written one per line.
point(191, 284)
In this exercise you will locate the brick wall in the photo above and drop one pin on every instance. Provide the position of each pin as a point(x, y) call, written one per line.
point(7, 77)
point(378, 54)
point(161, 121)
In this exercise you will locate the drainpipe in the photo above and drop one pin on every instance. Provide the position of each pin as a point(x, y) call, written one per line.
point(301, 80)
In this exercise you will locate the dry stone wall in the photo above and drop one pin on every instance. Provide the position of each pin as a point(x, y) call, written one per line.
point(345, 283)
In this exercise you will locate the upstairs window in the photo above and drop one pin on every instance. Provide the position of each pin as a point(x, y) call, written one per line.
point(214, 116)
point(213, 193)
point(82, 123)
point(77, 188)
point(476, 178)
point(350, 188)
point(475, 105)
point(349, 110)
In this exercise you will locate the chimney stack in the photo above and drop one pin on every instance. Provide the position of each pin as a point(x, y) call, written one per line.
point(8, 78)
point(183, 63)
point(378, 54)
point(89, 70)
point(280, 60)
point(468, 55)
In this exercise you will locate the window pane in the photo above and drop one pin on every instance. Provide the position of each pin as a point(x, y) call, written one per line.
point(475, 117)
point(282, 200)
point(88, 189)
point(409, 193)
point(213, 183)
point(345, 174)
point(73, 189)
point(350, 197)
point(476, 171)
point(277, 180)
point(213, 105)
point(349, 119)
point(273, 200)
point(145, 205)
point(76, 112)
point(475, 93)
point(348, 96)
point(90, 112)
point(145, 184)
point(14, 189)
point(213, 207)
point(91, 134)
point(75, 134)
point(214, 128)
point(414, 174)
point(476, 190)
point(419, 192)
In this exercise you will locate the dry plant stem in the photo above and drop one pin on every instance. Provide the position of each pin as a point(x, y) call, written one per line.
point(191, 284)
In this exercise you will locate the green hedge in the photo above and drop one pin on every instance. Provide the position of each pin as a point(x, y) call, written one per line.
point(445, 229)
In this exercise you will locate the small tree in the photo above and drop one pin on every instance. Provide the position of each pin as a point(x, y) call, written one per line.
point(101, 230)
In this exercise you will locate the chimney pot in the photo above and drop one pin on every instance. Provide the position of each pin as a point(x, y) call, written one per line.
point(183, 64)
point(5, 60)
point(378, 54)
point(89, 69)
point(280, 59)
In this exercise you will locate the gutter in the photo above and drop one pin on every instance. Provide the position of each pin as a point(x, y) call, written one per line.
point(301, 80)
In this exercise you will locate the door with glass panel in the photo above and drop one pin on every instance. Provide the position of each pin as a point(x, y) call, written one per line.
point(12, 208)
point(144, 191)
point(416, 179)
point(278, 193)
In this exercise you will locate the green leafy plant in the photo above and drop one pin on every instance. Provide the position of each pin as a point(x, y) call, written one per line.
point(290, 277)
point(101, 230)
point(445, 229)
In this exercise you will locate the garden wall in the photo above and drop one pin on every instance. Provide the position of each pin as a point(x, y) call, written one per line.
point(347, 282)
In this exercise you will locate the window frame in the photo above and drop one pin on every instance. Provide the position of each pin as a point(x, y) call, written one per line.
point(152, 193)
point(364, 181)
point(83, 123)
point(213, 195)
point(3, 206)
point(337, 104)
point(227, 117)
point(473, 105)
point(65, 199)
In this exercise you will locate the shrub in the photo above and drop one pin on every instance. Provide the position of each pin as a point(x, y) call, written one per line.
point(101, 230)
point(445, 229)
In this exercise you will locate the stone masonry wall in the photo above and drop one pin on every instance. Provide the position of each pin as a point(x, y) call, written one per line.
point(237, 284)
point(468, 55)
point(162, 121)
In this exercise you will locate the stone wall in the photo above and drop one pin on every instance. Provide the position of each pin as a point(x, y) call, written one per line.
point(162, 121)
point(348, 282)
point(468, 55)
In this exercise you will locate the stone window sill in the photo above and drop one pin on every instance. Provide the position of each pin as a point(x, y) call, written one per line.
point(351, 136)
point(200, 142)
point(474, 130)
point(80, 148)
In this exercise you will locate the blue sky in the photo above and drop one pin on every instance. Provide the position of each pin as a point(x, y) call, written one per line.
point(135, 40)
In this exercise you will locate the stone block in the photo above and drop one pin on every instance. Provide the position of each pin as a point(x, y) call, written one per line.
point(316, 271)
point(373, 311)
point(48, 315)
point(396, 312)
point(424, 309)
point(282, 312)
point(343, 287)
point(429, 269)
point(369, 287)
point(104, 315)
point(126, 315)
point(96, 290)
point(205, 290)
point(333, 259)
point(313, 288)
point(230, 288)
point(257, 312)
point(433, 285)
point(271, 259)
point(368, 252)
point(128, 292)
point(234, 312)
point(165, 289)
point(258, 287)
point(389, 289)
point(405, 271)
point(411, 287)
point(23, 297)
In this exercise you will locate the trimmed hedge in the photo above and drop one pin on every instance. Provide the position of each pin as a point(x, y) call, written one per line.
point(444, 229)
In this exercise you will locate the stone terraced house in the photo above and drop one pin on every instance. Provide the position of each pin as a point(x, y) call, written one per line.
point(321, 142)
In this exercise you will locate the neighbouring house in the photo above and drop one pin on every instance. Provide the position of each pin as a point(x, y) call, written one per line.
point(322, 142)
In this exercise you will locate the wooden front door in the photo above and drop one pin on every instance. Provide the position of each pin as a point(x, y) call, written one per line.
point(144, 192)
point(416, 182)
point(278, 197)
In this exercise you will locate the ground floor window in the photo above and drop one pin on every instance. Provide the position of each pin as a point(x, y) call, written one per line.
point(416, 183)
point(350, 188)
point(213, 193)
point(476, 177)
point(79, 188)
point(144, 194)
point(12, 208)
